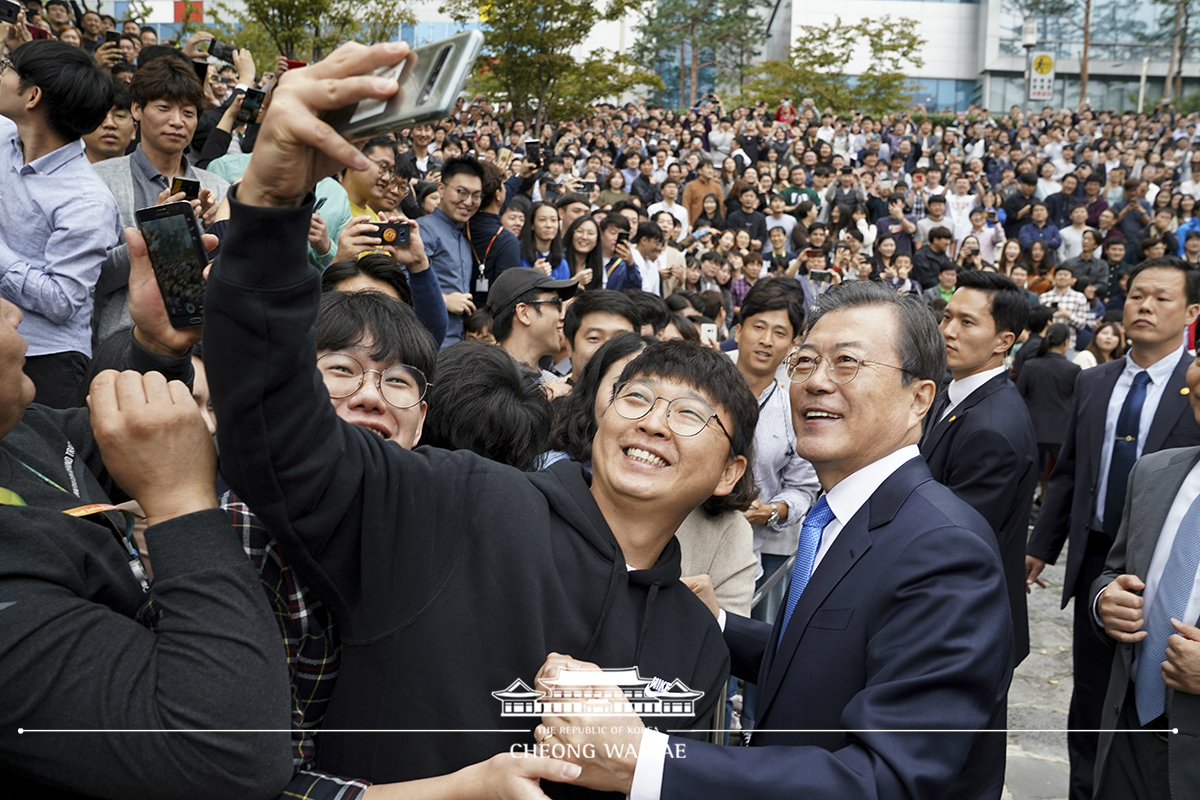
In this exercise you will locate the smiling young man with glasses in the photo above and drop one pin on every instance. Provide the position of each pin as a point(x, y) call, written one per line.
point(451, 576)
point(896, 616)
point(527, 315)
point(446, 242)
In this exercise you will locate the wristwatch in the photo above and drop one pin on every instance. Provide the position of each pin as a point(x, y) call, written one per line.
point(773, 520)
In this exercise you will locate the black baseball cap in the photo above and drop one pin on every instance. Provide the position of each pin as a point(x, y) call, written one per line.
point(516, 281)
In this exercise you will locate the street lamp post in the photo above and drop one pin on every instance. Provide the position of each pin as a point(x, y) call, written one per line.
point(1029, 40)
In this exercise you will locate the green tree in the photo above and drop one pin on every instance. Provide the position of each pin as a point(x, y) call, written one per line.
point(816, 66)
point(679, 38)
point(306, 30)
point(528, 55)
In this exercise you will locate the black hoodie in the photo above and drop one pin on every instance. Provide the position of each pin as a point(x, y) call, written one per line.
point(450, 576)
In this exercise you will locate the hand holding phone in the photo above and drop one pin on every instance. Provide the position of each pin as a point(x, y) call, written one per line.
point(178, 258)
point(252, 103)
point(429, 86)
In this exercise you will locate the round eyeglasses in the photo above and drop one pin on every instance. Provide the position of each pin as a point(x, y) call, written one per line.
point(842, 367)
point(686, 416)
point(401, 386)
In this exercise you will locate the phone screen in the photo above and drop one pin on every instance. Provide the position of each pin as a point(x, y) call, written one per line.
point(251, 104)
point(178, 258)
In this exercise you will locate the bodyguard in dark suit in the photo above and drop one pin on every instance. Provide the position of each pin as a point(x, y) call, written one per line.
point(1148, 580)
point(896, 617)
point(1122, 410)
point(980, 441)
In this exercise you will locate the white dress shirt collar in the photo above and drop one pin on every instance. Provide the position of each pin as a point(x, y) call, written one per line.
point(960, 390)
point(856, 489)
point(1160, 371)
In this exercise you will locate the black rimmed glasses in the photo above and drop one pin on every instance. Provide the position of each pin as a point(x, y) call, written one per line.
point(842, 367)
point(686, 416)
point(557, 302)
point(401, 386)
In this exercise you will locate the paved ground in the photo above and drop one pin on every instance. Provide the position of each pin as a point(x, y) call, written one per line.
point(1039, 697)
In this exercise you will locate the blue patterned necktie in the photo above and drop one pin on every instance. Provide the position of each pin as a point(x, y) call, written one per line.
point(806, 553)
point(1124, 452)
point(1170, 600)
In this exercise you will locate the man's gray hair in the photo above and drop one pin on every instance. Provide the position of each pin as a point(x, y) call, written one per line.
point(921, 347)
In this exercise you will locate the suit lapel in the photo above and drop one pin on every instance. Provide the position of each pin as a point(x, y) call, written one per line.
point(1091, 419)
point(958, 412)
point(1153, 506)
point(1172, 405)
point(851, 544)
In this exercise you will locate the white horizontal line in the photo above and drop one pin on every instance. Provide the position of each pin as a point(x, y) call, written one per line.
point(937, 730)
point(271, 730)
point(527, 730)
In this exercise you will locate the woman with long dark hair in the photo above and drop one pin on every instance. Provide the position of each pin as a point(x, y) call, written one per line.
point(1108, 344)
point(541, 246)
point(581, 251)
point(710, 214)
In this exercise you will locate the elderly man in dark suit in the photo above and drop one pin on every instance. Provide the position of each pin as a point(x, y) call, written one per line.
point(1122, 410)
point(896, 617)
point(979, 441)
point(1148, 600)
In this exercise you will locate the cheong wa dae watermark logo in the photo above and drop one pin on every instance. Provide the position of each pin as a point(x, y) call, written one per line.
point(599, 692)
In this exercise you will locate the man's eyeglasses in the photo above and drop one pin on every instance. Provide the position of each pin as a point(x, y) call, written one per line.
point(462, 194)
point(686, 416)
point(842, 367)
point(400, 385)
point(6, 63)
point(385, 169)
point(557, 302)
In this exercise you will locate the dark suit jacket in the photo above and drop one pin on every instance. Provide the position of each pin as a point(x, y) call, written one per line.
point(985, 451)
point(624, 276)
point(1153, 484)
point(1028, 350)
point(1047, 385)
point(903, 625)
point(1071, 492)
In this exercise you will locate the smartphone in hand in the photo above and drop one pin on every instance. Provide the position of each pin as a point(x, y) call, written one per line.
point(430, 86)
point(178, 258)
point(189, 187)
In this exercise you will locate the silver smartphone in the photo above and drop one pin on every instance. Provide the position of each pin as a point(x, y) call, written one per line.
point(429, 88)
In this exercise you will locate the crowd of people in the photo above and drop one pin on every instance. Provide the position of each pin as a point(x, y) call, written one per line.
point(432, 361)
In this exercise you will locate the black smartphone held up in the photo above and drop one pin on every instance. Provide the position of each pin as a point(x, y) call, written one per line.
point(221, 51)
point(189, 187)
point(588, 187)
point(250, 105)
point(201, 70)
point(533, 152)
point(112, 36)
point(178, 257)
point(623, 237)
point(820, 275)
point(397, 234)
point(9, 11)
point(320, 202)
point(430, 86)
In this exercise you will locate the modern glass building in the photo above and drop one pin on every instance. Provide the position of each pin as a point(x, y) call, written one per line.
point(973, 50)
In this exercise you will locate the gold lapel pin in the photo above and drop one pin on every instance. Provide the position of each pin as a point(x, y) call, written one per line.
point(1185, 390)
point(954, 418)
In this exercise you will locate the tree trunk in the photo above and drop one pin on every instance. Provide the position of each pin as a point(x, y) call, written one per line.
point(695, 70)
point(682, 73)
point(1087, 43)
point(1176, 56)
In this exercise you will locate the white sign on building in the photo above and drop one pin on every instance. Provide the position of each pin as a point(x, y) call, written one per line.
point(1041, 76)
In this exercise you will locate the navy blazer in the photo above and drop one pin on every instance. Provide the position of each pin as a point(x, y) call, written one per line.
point(1070, 500)
point(903, 625)
point(624, 276)
point(985, 451)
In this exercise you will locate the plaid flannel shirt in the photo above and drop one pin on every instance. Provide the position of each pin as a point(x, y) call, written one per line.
point(313, 653)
